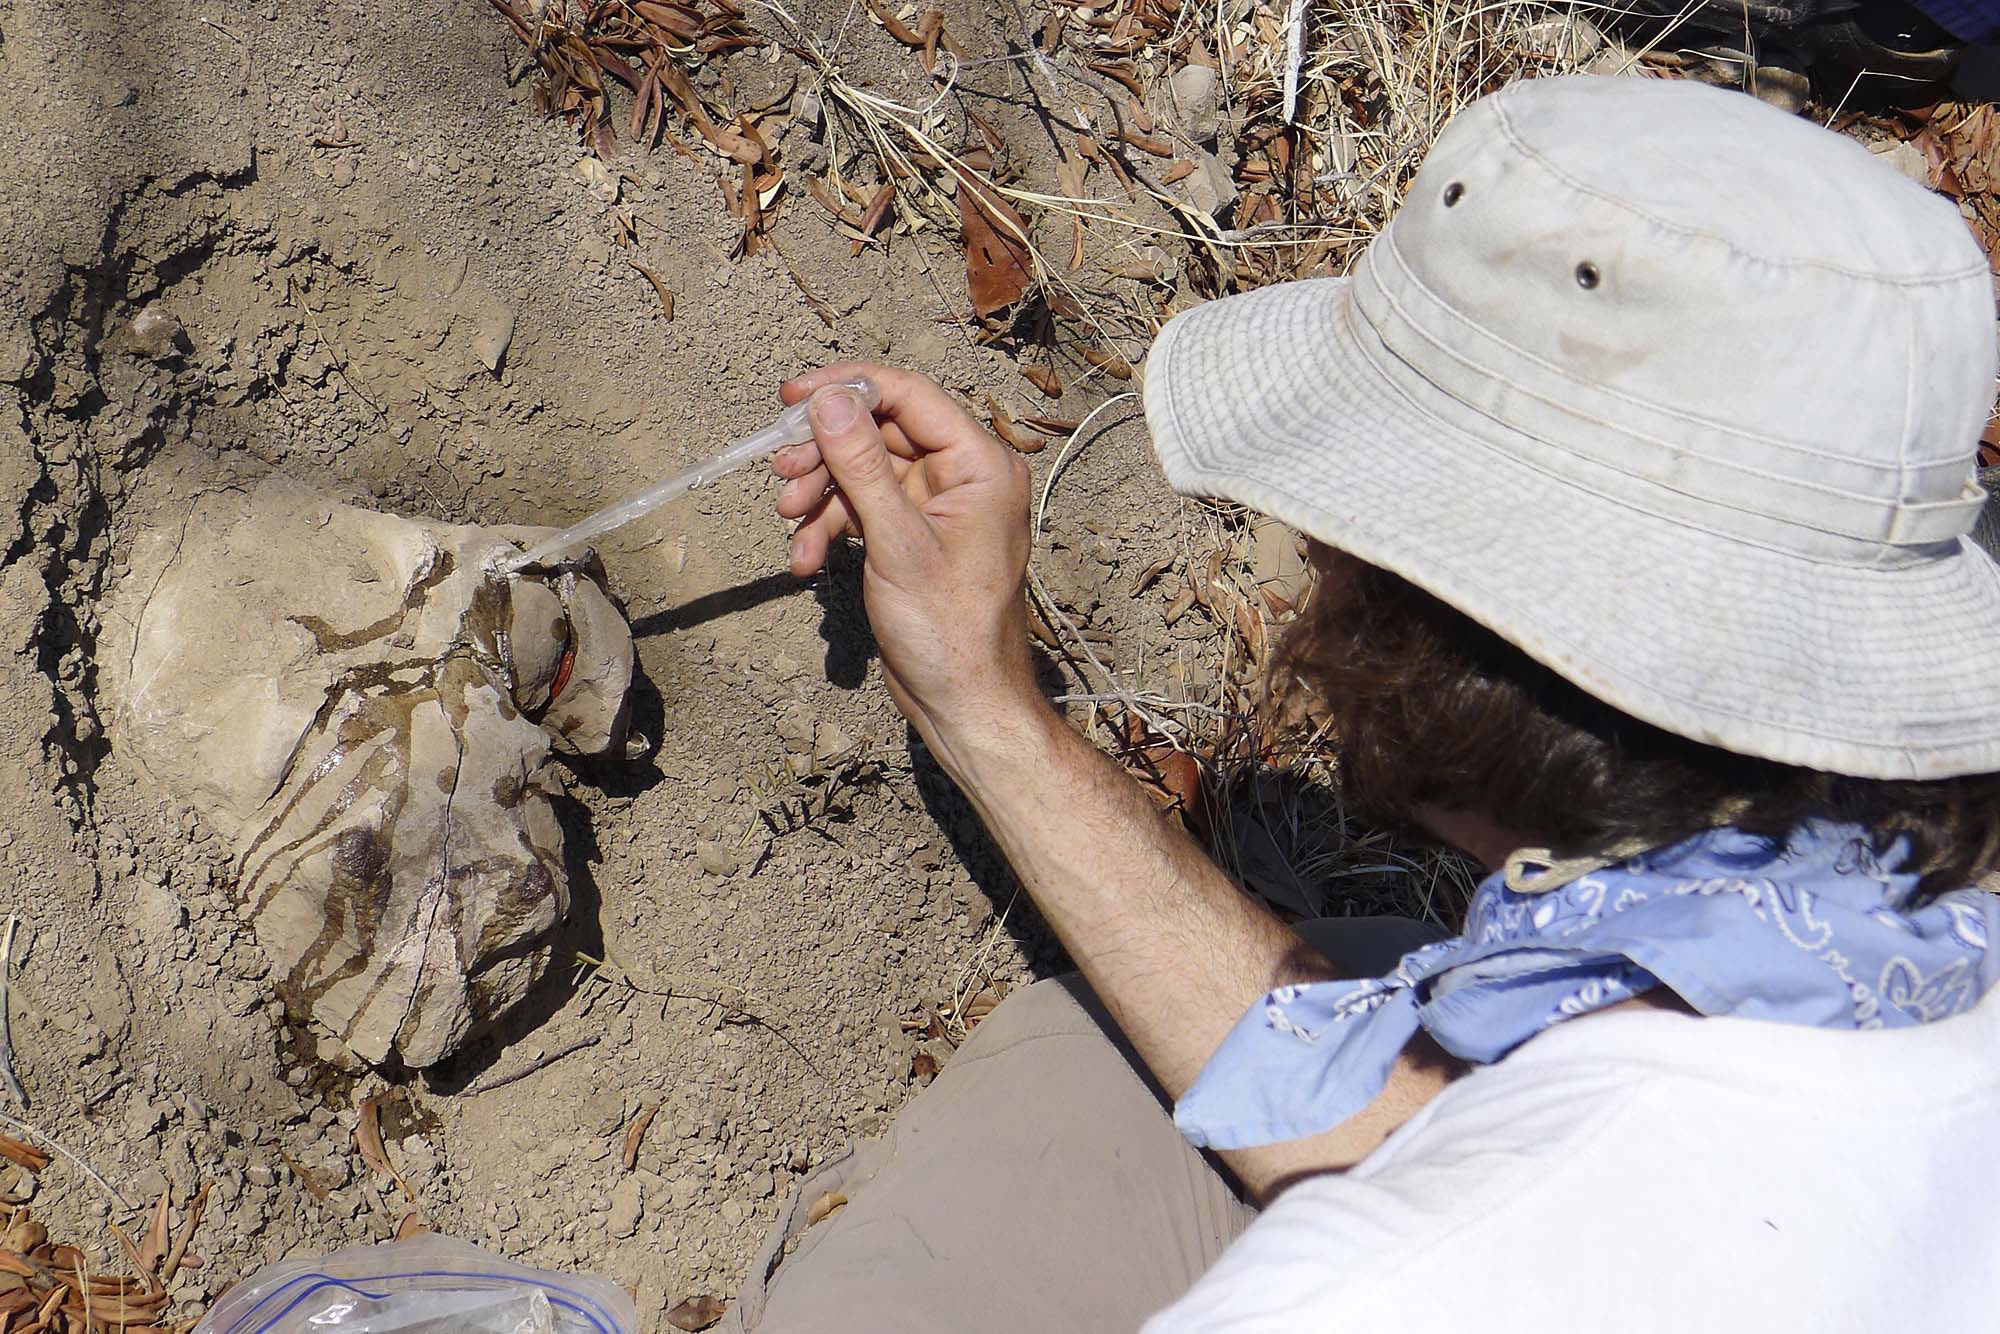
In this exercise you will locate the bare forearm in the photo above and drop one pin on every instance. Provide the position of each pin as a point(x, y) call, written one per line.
point(1175, 951)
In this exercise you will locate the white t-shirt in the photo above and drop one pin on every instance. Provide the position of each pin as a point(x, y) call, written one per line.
point(1647, 1170)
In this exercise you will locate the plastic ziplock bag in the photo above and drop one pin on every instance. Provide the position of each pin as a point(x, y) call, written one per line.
point(426, 1285)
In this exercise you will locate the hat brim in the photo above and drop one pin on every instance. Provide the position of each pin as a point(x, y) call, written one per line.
point(1274, 399)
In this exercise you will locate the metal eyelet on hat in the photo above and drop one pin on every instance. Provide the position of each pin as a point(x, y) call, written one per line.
point(1453, 193)
point(1587, 276)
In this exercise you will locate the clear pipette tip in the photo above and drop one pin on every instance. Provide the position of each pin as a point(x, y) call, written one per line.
point(790, 428)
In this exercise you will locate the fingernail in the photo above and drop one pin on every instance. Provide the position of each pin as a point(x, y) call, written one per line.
point(836, 407)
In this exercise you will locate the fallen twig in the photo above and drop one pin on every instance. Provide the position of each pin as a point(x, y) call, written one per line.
point(487, 1083)
point(613, 973)
point(6, 1029)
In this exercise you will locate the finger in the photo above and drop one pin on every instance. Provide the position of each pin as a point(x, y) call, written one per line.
point(795, 391)
point(916, 406)
point(827, 524)
point(802, 495)
point(855, 453)
point(796, 460)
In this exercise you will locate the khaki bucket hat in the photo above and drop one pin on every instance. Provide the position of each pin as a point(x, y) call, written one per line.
point(1674, 391)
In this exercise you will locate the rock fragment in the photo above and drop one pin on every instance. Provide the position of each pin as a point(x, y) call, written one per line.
point(627, 1203)
point(1194, 96)
point(1209, 188)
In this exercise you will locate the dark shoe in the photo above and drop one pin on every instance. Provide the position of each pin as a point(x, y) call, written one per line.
point(1890, 46)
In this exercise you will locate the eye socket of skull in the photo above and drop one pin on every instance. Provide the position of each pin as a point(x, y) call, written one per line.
point(590, 703)
point(541, 651)
point(569, 658)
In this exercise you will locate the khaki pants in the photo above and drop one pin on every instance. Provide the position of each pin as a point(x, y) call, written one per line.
point(1038, 1184)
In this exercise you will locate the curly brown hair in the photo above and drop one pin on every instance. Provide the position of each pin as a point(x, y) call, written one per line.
point(1430, 709)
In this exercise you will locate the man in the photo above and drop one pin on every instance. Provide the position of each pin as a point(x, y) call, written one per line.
point(1638, 455)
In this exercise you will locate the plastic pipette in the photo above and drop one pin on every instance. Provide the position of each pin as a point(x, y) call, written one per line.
point(791, 428)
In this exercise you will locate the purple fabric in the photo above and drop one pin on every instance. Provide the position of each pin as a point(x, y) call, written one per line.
point(1967, 20)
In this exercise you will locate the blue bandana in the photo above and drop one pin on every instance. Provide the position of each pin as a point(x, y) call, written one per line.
point(1813, 930)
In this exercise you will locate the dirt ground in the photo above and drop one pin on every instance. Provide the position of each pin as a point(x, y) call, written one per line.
point(343, 208)
point(783, 916)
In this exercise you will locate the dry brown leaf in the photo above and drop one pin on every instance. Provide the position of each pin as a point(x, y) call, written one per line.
point(635, 1133)
point(153, 1245)
point(818, 307)
point(998, 268)
point(878, 210)
point(25, 1155)
point(842, 214)
point(1177, 777)
point(368, 1139)
point(1045, 379)
point(642, 102)
point(986, 131)
point(603, 139)
point(1974, 143)
point(1070, 172)
point(1250, 629)
point(125, 1244)
point(719, 137)
point(1180, 170)
point(1123, 74)
point(1051, 425)
point(177, 1255)
point(930, 27)
point(979, 1007)
point(683, 24)
point(894, 26)
point(1110, 363)
point(824, 1207)
point(695, 1313)
point(411, 1226)
point(873, 218)
point(659, 288)
point(923, 1067)
point(310, 1180)
point(1003, 426)
point(1154, 569)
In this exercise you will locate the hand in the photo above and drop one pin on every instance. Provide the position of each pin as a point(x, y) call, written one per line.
point(941, 508)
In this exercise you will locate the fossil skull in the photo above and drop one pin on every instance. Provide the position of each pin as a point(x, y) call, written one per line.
point(368, 715)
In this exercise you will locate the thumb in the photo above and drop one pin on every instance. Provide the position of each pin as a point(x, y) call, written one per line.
point(851, 446)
